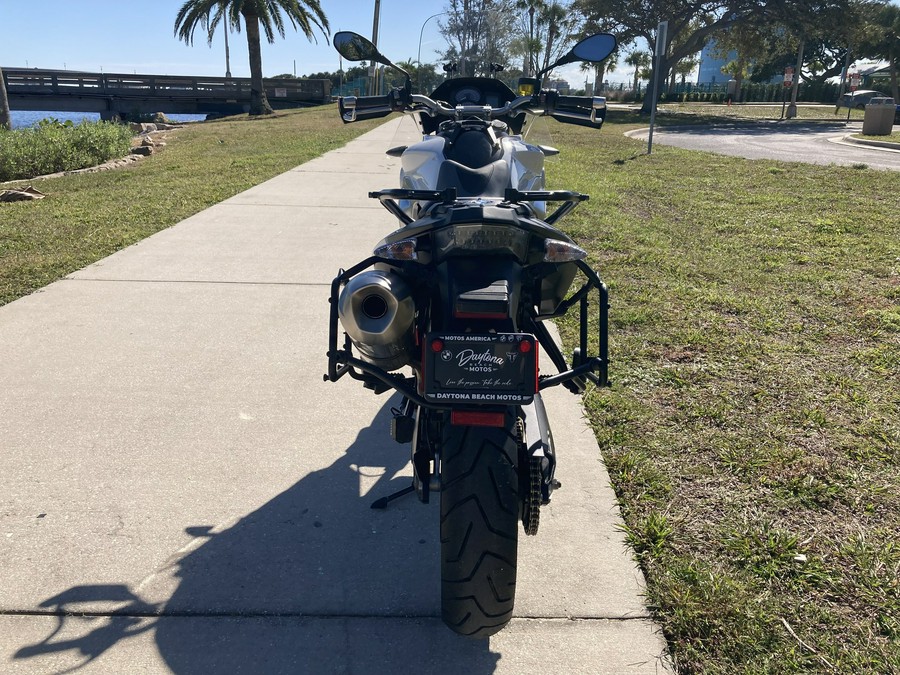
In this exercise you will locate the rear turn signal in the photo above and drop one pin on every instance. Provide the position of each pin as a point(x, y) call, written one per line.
point(556, 251)
point(399, 250)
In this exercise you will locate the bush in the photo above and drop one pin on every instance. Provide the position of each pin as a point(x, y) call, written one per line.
point(53, 146)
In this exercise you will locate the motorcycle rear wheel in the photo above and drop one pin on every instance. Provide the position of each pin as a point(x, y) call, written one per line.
point(479, 527)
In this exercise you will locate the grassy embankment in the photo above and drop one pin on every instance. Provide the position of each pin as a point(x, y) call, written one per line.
point(52, 146)
point(753, 430)
point(88, 216)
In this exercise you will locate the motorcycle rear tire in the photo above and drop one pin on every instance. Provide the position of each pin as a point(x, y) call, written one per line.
point(479, 527)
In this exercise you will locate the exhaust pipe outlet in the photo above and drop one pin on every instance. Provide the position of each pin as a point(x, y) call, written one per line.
point(376, 310)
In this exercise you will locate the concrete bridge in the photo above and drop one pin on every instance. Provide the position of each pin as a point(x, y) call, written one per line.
point(119, 95)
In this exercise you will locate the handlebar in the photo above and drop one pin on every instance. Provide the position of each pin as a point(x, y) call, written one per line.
point(582, 110)
point(436, 108)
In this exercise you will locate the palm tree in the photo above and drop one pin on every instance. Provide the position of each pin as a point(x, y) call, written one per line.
point(5, 117)
point(303, 15)
point(640, 60)
point(531, 6)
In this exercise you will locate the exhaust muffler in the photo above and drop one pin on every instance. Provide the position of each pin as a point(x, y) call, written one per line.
point(376, 310)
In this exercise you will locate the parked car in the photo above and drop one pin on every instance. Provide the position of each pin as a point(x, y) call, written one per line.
point(859, 98)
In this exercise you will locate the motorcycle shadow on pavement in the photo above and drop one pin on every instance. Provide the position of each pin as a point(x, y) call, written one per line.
point(313, 581)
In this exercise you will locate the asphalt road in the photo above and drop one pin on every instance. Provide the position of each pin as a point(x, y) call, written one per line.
point(812, 142)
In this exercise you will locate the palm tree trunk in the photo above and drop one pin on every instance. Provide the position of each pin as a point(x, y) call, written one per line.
point(5, 116)
point(259, 104)
point(599, 75)
point(227, 53)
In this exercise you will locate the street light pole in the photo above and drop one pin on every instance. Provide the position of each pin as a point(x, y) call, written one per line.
point(374, 80)
point(419, 55)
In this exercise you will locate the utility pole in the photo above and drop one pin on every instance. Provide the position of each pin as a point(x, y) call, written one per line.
point(658, 55)
point(530, 65)
point(792, 108)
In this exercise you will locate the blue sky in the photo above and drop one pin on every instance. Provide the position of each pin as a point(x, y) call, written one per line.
point(129, 37)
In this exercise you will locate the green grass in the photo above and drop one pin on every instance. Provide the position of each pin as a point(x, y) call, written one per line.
point(892, 138)
point(752, 432)
point(757, 111)
point(88, 216)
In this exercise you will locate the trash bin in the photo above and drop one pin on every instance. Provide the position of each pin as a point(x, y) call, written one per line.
point(879, 117)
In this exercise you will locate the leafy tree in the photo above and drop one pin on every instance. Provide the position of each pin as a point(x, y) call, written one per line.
point(558, 24)
point(882, 40)
point(467, 31)
point(593, 26)
point(546, 30)
point(5, 116)
point(828, 42)
point(266, 14)
point(424, 77)
point(692, 23)
point(682, 69)
point(750, 44)
point(528, 45)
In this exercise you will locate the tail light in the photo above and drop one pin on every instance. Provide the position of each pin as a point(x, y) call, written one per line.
point(477, 418)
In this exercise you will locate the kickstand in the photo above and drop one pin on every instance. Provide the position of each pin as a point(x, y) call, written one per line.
point(384, 501)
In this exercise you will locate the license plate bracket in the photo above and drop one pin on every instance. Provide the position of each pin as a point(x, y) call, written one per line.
point(480, 369)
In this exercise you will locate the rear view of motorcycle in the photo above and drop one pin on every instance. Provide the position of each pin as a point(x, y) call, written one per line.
point(450, 311)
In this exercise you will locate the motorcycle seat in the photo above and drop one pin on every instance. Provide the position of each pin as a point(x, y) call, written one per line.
point(487, 181)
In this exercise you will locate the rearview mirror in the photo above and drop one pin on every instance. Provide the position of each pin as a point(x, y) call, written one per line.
point(592, 49)
point(595, 48)
point(354, 47)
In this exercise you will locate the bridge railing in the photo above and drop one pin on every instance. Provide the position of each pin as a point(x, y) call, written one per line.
point(59, 82)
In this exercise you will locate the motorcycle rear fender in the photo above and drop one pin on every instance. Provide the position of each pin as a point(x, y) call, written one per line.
point(539, 442)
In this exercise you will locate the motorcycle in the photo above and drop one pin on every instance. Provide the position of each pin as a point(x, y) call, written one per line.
point(450, 311)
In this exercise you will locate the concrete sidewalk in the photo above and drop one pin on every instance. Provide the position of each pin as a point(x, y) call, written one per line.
point(181, 492)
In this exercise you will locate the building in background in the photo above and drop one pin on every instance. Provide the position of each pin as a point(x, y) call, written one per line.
point(711, 65)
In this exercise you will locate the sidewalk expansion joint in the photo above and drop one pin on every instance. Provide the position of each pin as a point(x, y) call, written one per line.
point(188, 614)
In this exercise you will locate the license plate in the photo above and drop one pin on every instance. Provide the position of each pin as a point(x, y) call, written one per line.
point(495, 368)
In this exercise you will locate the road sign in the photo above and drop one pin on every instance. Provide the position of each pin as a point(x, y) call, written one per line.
point(854, 81)
point(788, 76)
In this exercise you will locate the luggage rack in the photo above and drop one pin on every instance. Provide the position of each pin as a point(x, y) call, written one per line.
point(584, 367)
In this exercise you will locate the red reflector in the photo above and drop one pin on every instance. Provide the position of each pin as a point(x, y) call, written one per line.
point(437, 346)
point(524, 346)
point(470, 418)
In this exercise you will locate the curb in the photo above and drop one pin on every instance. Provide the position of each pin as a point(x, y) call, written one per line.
point(880, 145)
